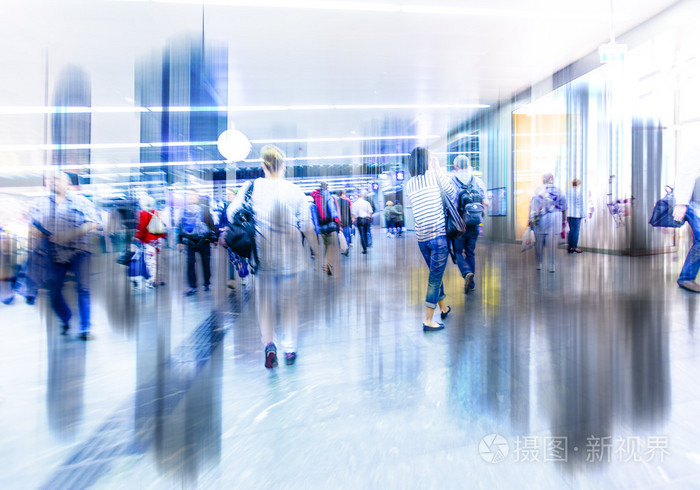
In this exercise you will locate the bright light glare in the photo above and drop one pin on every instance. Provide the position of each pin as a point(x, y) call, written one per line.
point(20, 110)
point(398, 7)
point(160, 144)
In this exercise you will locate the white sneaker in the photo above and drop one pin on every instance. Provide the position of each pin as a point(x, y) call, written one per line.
point(539, 267)
point(690, 286)
point(231, 284)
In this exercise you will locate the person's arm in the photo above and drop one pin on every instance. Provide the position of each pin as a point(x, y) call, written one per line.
point(36, 221)
point(307, 227)
point(563, 212)
point(209, 222)
point(480, 183)
point(534, 210)
point(180, 238)
point(445, 184)
point(685, 183)
point(330, 206)
point(208, 219)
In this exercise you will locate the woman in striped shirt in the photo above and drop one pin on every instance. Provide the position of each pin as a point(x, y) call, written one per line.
point(424, 190)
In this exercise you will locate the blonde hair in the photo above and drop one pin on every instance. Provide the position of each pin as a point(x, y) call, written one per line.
point(272, 157)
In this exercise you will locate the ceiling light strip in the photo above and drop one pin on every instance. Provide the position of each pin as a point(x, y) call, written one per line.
point(23, 110)
point(160, 144)
point(392, 7)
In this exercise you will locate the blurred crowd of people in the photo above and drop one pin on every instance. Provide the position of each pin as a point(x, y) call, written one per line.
point(294, 233)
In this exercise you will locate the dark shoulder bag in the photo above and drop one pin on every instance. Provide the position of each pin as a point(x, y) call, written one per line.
point(240, 232)
point(662, 216)
point(454, 224)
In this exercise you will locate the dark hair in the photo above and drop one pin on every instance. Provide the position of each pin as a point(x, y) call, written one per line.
point(418, 161)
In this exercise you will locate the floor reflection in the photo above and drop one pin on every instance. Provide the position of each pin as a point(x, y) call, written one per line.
point(586, 376)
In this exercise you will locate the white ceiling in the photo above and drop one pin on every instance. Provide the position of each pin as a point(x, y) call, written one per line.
point(306, 52)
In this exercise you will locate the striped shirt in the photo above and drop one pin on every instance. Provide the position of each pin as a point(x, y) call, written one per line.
point(426, 199)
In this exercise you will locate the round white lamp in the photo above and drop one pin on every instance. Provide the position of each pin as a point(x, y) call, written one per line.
point(233, 145)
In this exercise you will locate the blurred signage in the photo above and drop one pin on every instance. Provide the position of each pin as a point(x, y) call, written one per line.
point(612, 52)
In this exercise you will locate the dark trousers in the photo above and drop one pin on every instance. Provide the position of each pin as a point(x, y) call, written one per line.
point(204, 249)
point(465, 245)
point(363, 228)
point(574, 229)
point(80, 266)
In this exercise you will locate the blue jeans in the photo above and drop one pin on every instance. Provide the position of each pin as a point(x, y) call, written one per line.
point(465, 244)
point(348, 235)
point(574, 228)
point(80, 266)
point(231, 271)
point(692, 261)
point(435, 253)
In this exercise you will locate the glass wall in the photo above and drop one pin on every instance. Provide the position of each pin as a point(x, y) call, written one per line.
point(616, 128)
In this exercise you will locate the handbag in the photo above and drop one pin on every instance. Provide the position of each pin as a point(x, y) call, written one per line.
point(125, 257)
point(328, 228)
point(240, 234)
point(342, 242)
point(528, 240)
point(155, 226)
point(662, 215)
point(137, 266)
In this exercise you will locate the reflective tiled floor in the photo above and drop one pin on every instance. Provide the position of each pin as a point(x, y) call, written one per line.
point(585, 378)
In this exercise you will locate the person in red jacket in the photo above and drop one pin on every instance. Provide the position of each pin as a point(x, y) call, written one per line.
point(151, 233)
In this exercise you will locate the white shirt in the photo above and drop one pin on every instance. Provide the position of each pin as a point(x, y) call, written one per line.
point(688, 175)
point(361, 208)
point(281, 214)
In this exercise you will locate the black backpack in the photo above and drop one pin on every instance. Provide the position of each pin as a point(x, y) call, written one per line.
point(470, 203)
point(240, 232)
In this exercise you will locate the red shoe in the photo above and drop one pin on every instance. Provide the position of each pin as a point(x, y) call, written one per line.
point(270, 356)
